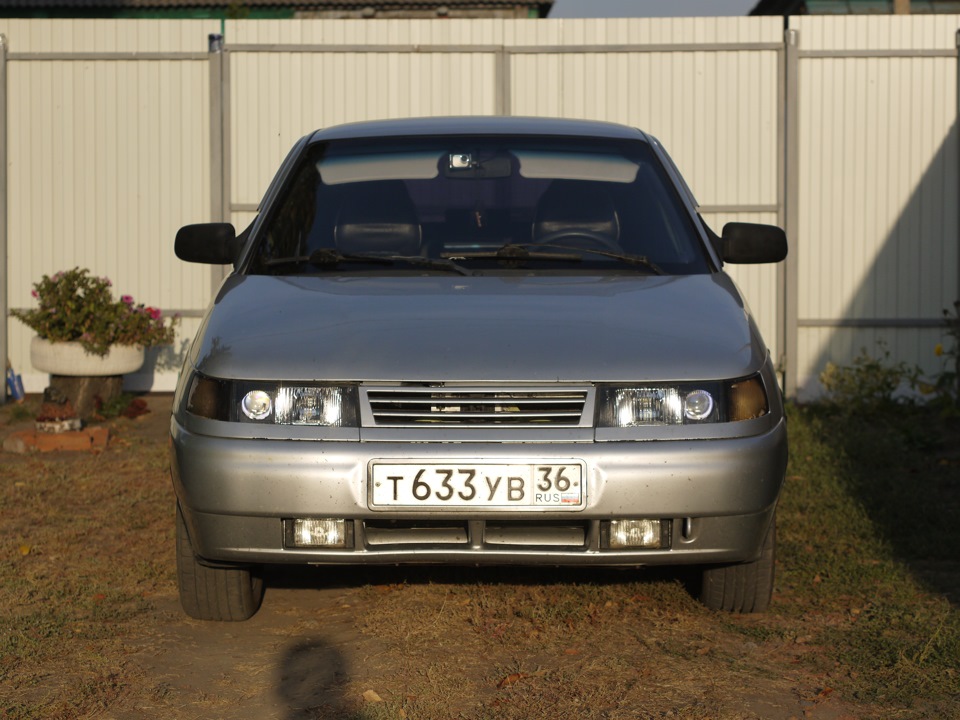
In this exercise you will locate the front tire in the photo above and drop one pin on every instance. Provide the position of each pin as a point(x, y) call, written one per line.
point(214, 593)
point(746, 587)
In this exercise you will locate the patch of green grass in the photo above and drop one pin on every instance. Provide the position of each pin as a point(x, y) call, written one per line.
point(901, 652)
point(19, 412)
point(868, 504)
point(113, 407)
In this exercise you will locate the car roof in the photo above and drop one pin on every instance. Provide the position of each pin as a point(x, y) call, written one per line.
point(478, 125)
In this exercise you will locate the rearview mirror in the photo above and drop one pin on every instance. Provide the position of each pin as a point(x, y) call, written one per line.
point(212, 243)
point(750, 243)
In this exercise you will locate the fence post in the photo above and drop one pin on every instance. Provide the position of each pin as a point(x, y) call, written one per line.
point(791, 213)
point(219, 144)
point(781, 337)
point(4, 264)
point(501, 77)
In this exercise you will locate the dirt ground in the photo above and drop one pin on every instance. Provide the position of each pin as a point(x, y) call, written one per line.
point(402, 642)
point(312, 653)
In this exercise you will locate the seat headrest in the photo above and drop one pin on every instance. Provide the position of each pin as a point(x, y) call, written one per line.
point(378, 217)
point(572, 208)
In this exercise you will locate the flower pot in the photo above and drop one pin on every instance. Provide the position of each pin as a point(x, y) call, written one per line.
point(70, 358)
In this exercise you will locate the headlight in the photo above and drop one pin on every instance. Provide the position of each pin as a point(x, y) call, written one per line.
point(698, 405)
point(747, 399)
point(310, 406)
point(209, 398)
point(645, 406)
point(257, 404)
point(682, 404)
point(273, 403)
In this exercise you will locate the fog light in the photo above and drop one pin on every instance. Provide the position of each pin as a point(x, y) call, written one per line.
point(635, 533)
point(323, 532)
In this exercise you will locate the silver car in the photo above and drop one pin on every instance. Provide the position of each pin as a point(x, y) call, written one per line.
point(477, 340)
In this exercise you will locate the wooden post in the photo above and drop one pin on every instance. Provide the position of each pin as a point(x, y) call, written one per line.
point(88, 394)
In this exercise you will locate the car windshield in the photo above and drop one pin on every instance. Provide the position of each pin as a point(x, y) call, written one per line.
point(478, 206)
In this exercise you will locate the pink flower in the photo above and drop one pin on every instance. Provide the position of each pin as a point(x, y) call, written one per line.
point(126, 299)
point(153, 313)
point(35, 293)
point(106, 281)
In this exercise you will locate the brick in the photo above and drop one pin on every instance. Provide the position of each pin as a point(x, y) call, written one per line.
point(95, 438)
point(99, 436)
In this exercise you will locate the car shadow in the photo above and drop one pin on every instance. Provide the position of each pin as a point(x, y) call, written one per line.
point(353, 576)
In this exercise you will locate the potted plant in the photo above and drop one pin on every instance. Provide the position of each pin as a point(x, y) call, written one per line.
point(82, 331)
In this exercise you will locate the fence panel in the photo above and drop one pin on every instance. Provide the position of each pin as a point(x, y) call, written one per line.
point(108, 153)
point(288, 78)
point(877, 187)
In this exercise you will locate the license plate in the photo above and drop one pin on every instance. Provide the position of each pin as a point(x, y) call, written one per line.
point(520, 486)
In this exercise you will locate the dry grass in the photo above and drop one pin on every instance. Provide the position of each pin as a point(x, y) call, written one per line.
point(78, 569)
point(864, 623)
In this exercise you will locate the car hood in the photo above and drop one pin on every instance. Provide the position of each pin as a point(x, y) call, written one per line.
point(569, 328)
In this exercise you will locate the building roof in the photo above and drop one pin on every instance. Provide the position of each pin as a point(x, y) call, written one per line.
point(850, 7)
point(777, 7)
point(544, 5)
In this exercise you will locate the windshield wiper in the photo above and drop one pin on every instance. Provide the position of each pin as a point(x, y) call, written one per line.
point(328, 257)
point(431, 263)
point(515, 252)
point(512, 252)
point(637, 260)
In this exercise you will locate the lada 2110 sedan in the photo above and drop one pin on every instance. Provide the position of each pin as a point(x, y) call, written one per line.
point(477, 340)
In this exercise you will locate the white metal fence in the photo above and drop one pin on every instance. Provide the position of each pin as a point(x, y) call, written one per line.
point(875, 189)
point(118, 132)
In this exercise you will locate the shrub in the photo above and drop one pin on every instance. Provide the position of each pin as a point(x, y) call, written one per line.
point(869, 384)
point(948, 381)
point(76, 306)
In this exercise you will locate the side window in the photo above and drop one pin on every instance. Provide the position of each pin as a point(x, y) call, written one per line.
point(289, 228)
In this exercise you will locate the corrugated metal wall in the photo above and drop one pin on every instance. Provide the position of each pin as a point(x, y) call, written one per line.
point(878, 188)
point(108, 149)
point(117, 136)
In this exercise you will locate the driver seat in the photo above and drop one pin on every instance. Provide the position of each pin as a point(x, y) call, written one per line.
point(571, 210)
point(378, 217)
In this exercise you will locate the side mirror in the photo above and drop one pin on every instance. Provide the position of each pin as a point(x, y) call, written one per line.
point(748, 243)
point(212, 243)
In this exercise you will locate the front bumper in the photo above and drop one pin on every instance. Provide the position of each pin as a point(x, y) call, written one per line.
point(718, 494)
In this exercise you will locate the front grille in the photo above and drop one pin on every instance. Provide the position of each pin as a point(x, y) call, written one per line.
point(412, 406)
point(476, 535)
point(411, 532)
